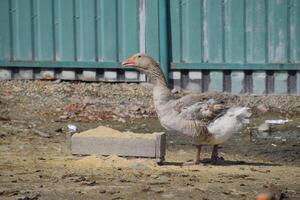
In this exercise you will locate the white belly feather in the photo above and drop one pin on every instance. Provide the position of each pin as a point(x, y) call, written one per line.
point(225, 126)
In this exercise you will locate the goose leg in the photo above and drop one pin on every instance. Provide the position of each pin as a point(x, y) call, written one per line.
point(197, 158)
point(215, 159)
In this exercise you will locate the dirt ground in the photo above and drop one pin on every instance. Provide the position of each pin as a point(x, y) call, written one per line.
point(36, 164)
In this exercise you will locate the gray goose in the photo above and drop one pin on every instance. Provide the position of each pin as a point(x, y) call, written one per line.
point(206, 121)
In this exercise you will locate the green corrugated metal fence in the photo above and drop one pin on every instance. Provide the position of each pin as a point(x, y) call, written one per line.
point(68, 32)
point(235, 34)
point(238, 46)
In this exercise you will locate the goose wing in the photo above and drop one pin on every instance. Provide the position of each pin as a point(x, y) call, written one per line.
point(199, 108)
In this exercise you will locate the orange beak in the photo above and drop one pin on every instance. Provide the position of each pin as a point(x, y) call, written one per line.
point(262, 197)
point(129, 62)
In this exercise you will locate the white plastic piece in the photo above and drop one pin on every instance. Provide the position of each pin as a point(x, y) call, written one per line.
point(277, 121)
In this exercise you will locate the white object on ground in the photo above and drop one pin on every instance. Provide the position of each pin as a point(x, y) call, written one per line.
point(263, 127)
point(277, 121)
point(72, 128)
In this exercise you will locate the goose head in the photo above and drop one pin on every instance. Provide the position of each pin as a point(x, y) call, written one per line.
point(145, 64)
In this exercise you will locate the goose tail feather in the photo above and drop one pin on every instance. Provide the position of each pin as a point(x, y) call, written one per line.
point(241, 113)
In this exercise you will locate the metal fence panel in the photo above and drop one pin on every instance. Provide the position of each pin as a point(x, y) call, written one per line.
point(252, 34)
point(68, 32)
point(239, 46)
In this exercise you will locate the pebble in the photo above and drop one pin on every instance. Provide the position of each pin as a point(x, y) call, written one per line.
point(34, 197)
point(102, 191)
point(146, 188)
point(163, 178)
point(41, 133)
point(168, 195)
point(117, 197)
point(90, 183)
point(122, 120)
point(263, 127)
point(124, 180)
point(136, 165)
point(160, 181)
point(3, 134)
point(262, 108)
point(154, 176)
point(112, 191)
point(158, 190)
point(80, 179)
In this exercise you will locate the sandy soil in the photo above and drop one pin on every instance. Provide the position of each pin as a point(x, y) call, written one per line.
point(104, 131)
point(35, 163)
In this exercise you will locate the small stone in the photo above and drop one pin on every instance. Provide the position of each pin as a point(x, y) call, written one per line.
point(123, 180)
point(68, 89)
point(136, 165)
point(112, 191)
point(158, 190)
point(226, 192)
point(102, 191)
point(117, 197)
point(80, 179)
point(146, 189)
point(34, 197)
point(160, 181)
point(168, 196)
point(134, 108)
point(122, 120)
point(62, 117)
point(184, 175)
point(154, 176)
point(91, 183)
point(41, 133)
point(262, 108)
point(263, 127)
point(176, 90)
